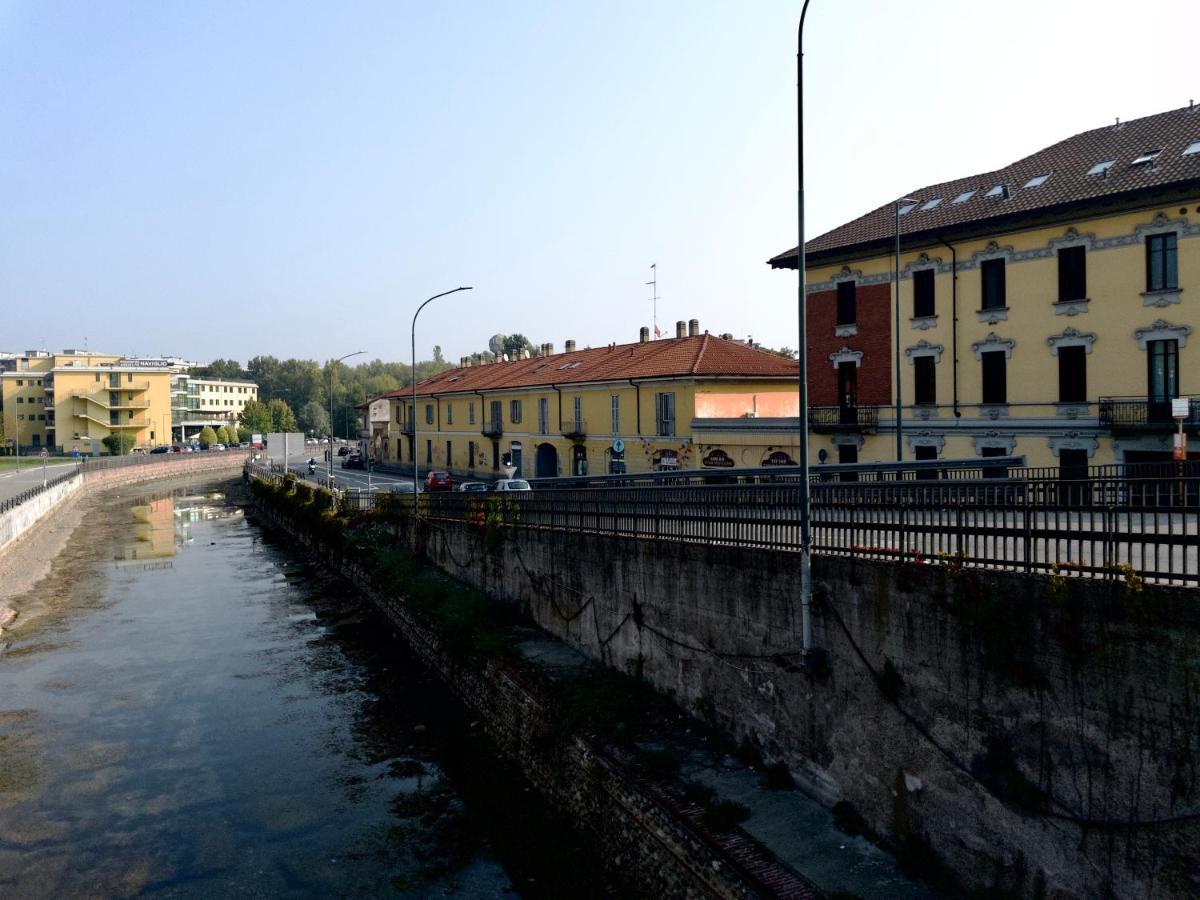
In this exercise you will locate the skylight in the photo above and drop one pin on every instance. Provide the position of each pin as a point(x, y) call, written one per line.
point(1193, 147)
point(930, 204)
point(996, 191)
point(1101, 167)
point(1148, 156)
point(965, 196)
point(1037, 181)
point(907, 208)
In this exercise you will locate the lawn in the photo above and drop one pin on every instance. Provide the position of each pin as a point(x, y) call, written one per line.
point(8, 463)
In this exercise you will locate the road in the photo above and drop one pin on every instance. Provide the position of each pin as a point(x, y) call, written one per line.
point(13, 483)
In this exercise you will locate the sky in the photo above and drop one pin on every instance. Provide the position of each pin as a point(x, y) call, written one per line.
point(223, 179)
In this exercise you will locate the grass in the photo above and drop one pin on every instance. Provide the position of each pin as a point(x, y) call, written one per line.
point(9, 463)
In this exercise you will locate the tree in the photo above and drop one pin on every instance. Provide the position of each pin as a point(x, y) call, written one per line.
point(117, 443)
point(282, 417)
point(314, 419)
point(226, 435)
point(221, 368)
point(255, 417)
point(208, 437)
point(515, 343)
point(244, 434)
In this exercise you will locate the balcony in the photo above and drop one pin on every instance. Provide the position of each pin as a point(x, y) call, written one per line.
point(492, 428)
point(407, 428)
point(574, 429)
point(834, 419)
point(1132, 415)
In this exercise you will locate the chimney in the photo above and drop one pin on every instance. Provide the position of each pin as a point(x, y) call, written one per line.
point(569, 347)
point(681, 329)
point(727, 336)
point(693, 328)
point(549, 349)
point(644, 335)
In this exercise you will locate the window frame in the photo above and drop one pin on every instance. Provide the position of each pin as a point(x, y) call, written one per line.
point(1163, 276)
point(993, 285)
point(924, 293)
point(1072, 274)
point(992, 394)
point(924, 380)
point(847, 303)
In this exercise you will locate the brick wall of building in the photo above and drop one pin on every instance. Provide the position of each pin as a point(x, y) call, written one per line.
point(874, 339)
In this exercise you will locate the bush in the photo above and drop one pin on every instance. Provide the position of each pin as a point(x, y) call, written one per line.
point(118, 444)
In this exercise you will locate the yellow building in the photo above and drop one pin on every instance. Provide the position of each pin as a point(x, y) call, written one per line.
point(74, 399)
point(618, 408)
point(1046, 308)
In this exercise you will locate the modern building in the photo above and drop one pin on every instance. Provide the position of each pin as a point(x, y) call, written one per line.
point(199, 402)
point(617, 408)
point(1046, 308)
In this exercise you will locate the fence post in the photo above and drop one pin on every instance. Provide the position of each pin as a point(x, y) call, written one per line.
point(1027, 509)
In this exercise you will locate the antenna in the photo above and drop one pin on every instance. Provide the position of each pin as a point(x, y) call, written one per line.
point(653, 282)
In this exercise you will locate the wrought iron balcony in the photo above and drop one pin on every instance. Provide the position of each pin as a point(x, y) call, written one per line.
point(407, 428)
point(1134, 414)
point(828, 419)
point(493, 428)
point(574, 429)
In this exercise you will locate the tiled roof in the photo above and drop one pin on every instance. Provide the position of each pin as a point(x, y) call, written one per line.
point(705, 356)
point(1067, 164)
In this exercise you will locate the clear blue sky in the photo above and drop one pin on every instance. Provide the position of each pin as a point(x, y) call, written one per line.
point(225, 179)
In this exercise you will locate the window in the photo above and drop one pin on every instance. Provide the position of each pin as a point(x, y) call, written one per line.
point(925, 451)
point(925, 390)
point(428, 452)
point(428, 413)
point(992, 453)
point(930, 204)
point(470, 413)
point(664, 414)
point(1036, 181)
point(848, 455)
point(496, 406)
point(470, 454)
point(615, 406)
point(846, 303)
point(1162, 267)
point(1101, 167)
point(996, 191)
point(1072, 464)
point(1163, 376)
point(20, 383)
point(543, 415)
point(992, 272)
point(907, 208)
point(923, 304)
point(1193, 147)
point(514, 411)
point(995, 381)
point(449, 455)
point(965, 196)
point(1147, 156)
point(449, 413)
point(578, 410)
point(1072, 375)
point(1072, 273)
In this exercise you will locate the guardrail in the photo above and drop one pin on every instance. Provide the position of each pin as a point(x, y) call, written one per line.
point(18, 499)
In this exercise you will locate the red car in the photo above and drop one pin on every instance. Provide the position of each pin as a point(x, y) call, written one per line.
point(439, 481)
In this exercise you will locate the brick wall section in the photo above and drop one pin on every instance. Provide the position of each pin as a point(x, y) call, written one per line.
point(874, 339)
point(1007, 689)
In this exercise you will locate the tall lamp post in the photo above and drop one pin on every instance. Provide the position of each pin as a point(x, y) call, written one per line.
point(416, 484)
point(332, 366)
point(805, 504)
point(899, 423)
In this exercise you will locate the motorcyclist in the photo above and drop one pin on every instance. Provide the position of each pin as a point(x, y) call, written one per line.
point(312, 465)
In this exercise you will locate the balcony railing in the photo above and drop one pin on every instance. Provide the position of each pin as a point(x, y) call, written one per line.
point(1141, 414)
point(407, 428)
point(492, 428)
point(574, 429)
point(826, 419)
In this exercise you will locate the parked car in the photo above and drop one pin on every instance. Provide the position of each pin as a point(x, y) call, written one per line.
point(354, 461)
point(161, 450)
point(439, 481)
point(472, 487)
point(512, 484)
point(220, 447)
point(404, 487)
point(343, 451)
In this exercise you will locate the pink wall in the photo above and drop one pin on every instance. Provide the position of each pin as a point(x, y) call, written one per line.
point(773, 404)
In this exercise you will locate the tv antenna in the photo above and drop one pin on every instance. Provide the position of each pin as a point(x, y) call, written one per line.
point(653, 283)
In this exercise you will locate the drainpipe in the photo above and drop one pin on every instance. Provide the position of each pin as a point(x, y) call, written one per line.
point(953, 321)
point(637, 403)
point(559, 392)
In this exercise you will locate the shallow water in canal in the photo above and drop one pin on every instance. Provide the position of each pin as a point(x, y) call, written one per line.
point(196, 713)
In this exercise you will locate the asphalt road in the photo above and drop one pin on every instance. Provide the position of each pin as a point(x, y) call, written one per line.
point(13, 483)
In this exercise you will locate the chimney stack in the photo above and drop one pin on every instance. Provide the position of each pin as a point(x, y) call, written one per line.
point(727, 336)
point(681, 329)
point(549, 349)
point(693, 328)
point(644, 335)
point(569, 347)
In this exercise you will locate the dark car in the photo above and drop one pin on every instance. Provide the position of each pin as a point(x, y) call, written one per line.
point(439, 481)
point(161, 450)
point(343, 451)
point(354, 461)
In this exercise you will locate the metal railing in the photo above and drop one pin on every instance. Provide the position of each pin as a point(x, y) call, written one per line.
point(26, 495)
point(492, 428)
point(825, 419)
point(1142, 414)
point(573, 429)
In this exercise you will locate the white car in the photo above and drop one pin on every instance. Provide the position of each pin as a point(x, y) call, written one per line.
point(512, 484)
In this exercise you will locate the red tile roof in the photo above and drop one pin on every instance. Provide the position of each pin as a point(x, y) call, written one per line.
point(703, 356)
point(1067, 163)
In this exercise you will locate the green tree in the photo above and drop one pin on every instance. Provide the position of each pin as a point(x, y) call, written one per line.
point(244, 434)
point(221, 368)
point(314, 419)
point(255, 417)
point(118, 443)
point(282, 417)
point(208, 437)
point(226, 435)
point(514, 344)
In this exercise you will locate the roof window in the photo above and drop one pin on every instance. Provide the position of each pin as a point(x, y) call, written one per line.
point(1037, 180)
point(1192, 148)
point(570, 365)
point(1147, 156)
point(965, 196)
point(1101, 167)
point(907, 208)
point(996, 191)
point(930, 204)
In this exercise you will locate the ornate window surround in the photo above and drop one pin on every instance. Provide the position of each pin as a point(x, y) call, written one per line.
point(1162, 331)
point(848, 440)
point(846, 355)
point(1073, 440)
point(1070, 337)
point(1162, 224)
point(993, 341)
point(926, 440)
point(924, 348)
point(994, 439)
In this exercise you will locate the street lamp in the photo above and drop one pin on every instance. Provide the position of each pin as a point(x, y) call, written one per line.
point(899, 424)
point(414, 387)
point(332, 365)
point(805, 504)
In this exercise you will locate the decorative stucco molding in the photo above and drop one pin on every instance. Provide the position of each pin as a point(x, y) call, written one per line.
point(926, 440)
point(924, 348)
point(1070, 337)
point(848, 440)
point(922, 262)
point(1071, 410)
point(845, 330)
point(1071, 307)
point(1162, 331)
point(994, 439)
point(923, 323)
point(991, 251)
point(846, 355)
point(993, 342)
point(993, 411)
point(993, 315)
point(1073, 440)
point(1162, 298)
point(1070, 238)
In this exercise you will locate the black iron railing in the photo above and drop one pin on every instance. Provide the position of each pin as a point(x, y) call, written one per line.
point(574, 429)
point(825, 419)
point(492, 428)
point(1142, 414)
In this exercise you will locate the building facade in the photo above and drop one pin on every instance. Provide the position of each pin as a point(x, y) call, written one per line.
point(1046, 309)
point(619, 408)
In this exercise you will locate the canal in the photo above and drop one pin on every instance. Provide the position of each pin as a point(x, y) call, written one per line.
point(186, 710)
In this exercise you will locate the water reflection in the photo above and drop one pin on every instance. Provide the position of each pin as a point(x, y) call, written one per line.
point(236, 725)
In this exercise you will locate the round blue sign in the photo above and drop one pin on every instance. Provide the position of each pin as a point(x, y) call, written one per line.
point(618, 446)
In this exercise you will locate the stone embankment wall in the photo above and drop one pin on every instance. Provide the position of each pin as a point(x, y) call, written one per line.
point(649, 845)
point(20, 519)
point(1035, 736)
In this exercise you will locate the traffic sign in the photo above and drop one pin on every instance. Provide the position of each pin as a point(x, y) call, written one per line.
point(618, 446)
point(44, 453)
point(1179, 407)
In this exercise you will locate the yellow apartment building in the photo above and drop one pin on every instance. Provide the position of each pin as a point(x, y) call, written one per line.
point(612, 409)
point(74, 399)
point(1045, 309)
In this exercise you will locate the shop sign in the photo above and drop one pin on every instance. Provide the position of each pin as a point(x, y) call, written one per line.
point(717, 458)
point(778, 458)
point(665, 459)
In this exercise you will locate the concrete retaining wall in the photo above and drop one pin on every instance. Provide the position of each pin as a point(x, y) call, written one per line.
point(18, 520)
point(1037, 736)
